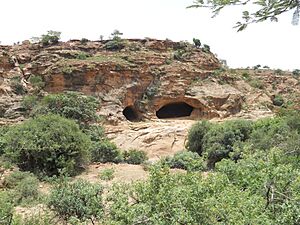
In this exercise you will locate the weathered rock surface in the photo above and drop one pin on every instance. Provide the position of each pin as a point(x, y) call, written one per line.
point(148, 80)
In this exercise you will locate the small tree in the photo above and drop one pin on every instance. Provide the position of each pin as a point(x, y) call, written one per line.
point(296, 72)
point(206, 48)
point(134, 156)
point(116, 43)
point(80, 200)
point(197, 42)
point(116, 34)
point(48, 145)
point(72, 105)
point(52, 37)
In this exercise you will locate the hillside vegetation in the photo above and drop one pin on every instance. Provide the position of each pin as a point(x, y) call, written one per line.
point(59, 164)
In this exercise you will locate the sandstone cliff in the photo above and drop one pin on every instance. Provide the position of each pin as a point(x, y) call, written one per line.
point(146, 79)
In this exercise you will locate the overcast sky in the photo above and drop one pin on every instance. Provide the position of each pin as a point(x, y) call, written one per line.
point(274, 44)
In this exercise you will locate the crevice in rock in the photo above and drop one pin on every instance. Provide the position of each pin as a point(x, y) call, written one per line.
point(131, 114)
point(174, 110)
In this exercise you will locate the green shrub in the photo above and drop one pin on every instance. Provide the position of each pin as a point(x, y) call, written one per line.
point(48, 145)
point(206, 48)
point(6, 207)
point(278, 72)
point(81, 200)
point(37, 81)
point(114, 45)
point(197, 42)
point(107, 174)
point(14, 179)
point(82, 56)
point(296, 72)
point(17, 86)
point(256, 83)
point(269, 175)
point(29, 102)
point(52, 37)
point(23, 185)
point(196, 136)
point(257, 67)
point(270, 132)
point(246, 75)
point(180, 54)
point(134, 156)
point(44, 218)
point(167, 198)
point(216, 141)
point(83, 41)
point(95, 132)
point(3, 131)
point(27, 190)
point(106, 151)
point(221, 138)
point(186, 160)
point(72, 105)
point(278, 100)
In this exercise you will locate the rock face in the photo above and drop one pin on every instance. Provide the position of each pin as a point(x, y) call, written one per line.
point(145, 79)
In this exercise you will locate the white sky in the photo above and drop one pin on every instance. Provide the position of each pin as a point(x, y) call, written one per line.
point(273, 44)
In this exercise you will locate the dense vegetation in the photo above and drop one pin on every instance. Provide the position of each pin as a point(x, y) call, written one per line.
point(237, 172)
point(47, 145)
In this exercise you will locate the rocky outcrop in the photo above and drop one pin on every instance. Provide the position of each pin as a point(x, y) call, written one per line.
point(146, 79)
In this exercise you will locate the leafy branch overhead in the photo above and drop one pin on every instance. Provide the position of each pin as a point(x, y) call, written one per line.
point(262, 10)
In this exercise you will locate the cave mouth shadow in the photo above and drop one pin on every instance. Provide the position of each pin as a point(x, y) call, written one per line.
point(174, 110)
point(131, 114)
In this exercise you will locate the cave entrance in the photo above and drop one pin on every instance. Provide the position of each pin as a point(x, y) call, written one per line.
point(131, 114)
point(174, 110)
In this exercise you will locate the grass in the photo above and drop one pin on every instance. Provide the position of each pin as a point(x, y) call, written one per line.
point(107, 174)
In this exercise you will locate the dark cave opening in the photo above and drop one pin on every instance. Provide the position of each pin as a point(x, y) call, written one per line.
point(174, 110)
point(131, 114)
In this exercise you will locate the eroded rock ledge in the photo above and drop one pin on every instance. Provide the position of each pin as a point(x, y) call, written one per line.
point(144, 80)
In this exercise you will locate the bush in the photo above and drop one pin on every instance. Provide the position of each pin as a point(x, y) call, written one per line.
point(14, 179)
point(23, 185)
point(37, 81)
point(167, 198)
point(72, 105)
point(196, 136)
point(206, 48)
point(83, 41)
point(3, 131)
point(116, 44)
point(186, 160)
point(52, 37)
point(296, 72)
point(270, 132)
point(197, 42)
point(17, 86)
point(107, 174)
point(278, 72)
point(44, 218)
point(48, 145)
point(256, 83)
point(134, 156)
point(6, 207)
point(82, 56)
point(221, 139)
point(217, 140)
point(95, 132)
point(106, 151)
point(278, 100)
point(81, 200)
point(29, 102)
